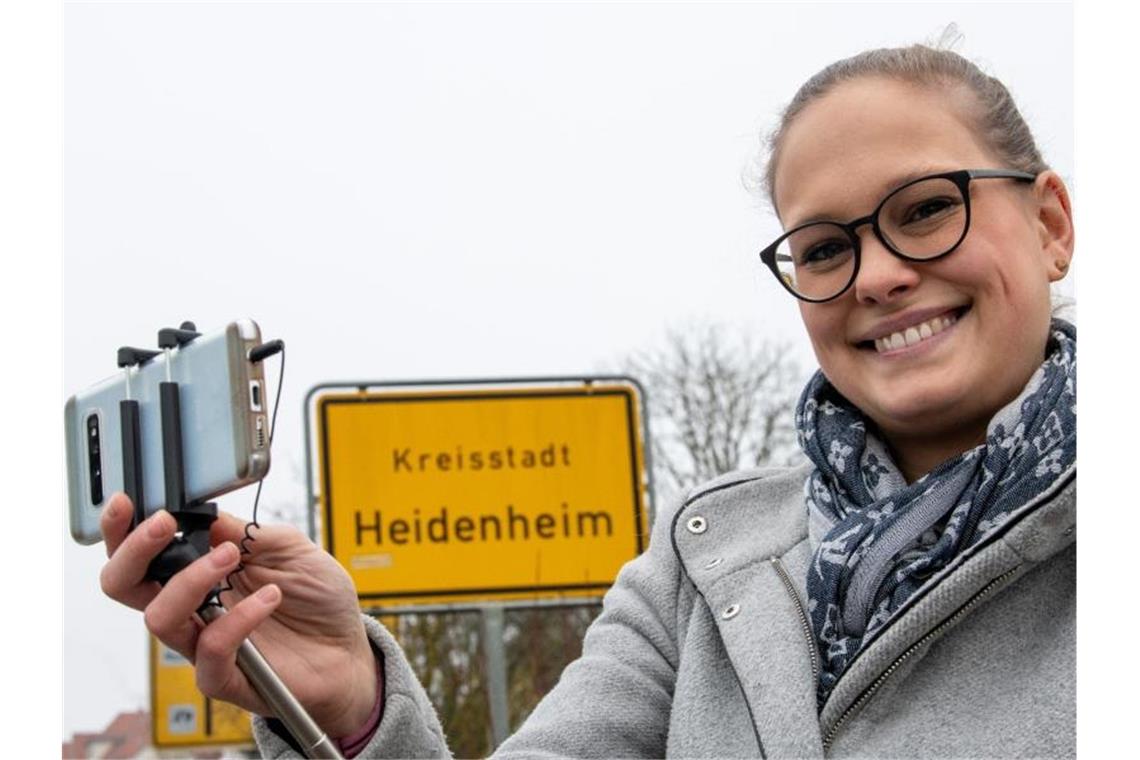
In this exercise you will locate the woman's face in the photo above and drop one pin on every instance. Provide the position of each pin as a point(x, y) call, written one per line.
point(840, 157)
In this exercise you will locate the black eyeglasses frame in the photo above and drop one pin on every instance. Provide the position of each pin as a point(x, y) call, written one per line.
point(961, 178)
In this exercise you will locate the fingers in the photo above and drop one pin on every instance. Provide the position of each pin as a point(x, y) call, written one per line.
point(123, 578)
point(217, 644)
point(169, 616)
point(267, 538)
point(227, 528)
point(115, 521)
point(169, 611)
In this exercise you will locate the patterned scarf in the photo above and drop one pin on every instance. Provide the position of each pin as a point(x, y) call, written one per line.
point(880, 539)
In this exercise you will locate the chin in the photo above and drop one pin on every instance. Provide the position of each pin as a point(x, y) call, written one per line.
point(920, 414)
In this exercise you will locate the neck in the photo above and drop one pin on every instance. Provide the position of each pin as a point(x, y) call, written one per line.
point(916, 456)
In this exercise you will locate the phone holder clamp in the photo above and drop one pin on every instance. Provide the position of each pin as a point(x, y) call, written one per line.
point(194, 517)
point(191, 542)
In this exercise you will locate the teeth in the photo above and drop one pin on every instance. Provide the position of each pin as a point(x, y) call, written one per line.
point(912, 335)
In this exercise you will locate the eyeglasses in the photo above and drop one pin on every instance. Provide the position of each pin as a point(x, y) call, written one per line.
point(923, 220)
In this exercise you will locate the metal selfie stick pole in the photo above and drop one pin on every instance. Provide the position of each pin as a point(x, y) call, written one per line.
point(267, 684)
point(193, 538)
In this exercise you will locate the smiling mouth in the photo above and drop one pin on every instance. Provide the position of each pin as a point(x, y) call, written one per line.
point(914, 334)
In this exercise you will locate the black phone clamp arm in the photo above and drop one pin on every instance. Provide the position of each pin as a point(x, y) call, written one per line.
point(192, 540)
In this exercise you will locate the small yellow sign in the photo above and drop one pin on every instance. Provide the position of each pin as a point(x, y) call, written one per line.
point(482, 495)
point(180, 715)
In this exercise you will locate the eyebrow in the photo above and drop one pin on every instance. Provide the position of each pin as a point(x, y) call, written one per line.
point(894, 184)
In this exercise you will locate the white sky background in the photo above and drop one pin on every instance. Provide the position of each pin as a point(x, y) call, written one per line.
point(412, 191)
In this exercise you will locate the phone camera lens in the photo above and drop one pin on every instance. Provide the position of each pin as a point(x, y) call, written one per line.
point(93, 459)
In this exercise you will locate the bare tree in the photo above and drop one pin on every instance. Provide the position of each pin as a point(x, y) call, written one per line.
point(444, 650)
point(717, 401)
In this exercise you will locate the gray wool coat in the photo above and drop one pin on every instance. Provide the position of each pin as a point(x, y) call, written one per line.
point(703, 649)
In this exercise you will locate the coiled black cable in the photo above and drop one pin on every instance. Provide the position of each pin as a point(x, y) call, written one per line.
point(258, 354)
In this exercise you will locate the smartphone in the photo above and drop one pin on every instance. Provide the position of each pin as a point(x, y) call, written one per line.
point(225, 426)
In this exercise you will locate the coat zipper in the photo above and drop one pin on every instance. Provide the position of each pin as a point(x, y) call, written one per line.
point(866, 695)
point(804, 624)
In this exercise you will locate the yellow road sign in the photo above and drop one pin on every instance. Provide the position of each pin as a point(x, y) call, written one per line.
point(480, 495)
point(180, 715)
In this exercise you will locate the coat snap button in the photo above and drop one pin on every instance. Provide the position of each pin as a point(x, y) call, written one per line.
point(730, 612)
point(697, 525)
point(713, 563)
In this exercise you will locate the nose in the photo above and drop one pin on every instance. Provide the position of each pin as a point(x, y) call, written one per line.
point(883, 277)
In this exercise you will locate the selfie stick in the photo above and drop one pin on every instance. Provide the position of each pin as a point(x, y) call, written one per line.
point(193, 537)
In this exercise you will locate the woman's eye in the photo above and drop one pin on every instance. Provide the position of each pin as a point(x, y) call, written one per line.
point(824, 252)
point(928, 209)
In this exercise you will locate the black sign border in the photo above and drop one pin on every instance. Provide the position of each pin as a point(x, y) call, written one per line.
point(627, 395)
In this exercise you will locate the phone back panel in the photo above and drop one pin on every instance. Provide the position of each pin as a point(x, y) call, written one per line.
point(220, 442)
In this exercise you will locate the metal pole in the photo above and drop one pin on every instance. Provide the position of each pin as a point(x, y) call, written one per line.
point(310, 491)
point(496, 667)
point(315, 743)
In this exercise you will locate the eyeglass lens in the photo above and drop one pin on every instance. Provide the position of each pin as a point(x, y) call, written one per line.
point(923, 220)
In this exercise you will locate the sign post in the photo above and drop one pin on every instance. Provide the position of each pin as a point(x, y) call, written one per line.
point(496, 660)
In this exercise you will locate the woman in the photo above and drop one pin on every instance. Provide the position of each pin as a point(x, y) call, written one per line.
point(908, 592)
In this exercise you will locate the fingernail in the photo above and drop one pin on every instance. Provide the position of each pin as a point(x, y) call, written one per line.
point(159, 524)
point(224, 555)
point(269, 594)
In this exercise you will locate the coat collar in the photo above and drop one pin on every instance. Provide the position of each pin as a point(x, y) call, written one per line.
point(730, 538)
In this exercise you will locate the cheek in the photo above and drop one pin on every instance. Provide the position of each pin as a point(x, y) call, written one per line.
point(1003, 257)
point(1007, 283)
point(825, 328)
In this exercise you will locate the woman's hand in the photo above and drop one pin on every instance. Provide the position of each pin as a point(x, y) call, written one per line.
point(299, 604)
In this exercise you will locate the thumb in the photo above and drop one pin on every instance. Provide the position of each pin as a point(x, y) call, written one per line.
point(227, 528)
point(266, 537)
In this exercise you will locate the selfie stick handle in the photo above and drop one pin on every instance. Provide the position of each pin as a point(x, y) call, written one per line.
point(314, 741)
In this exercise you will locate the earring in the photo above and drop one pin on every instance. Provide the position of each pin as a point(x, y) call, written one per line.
point(1061, 264)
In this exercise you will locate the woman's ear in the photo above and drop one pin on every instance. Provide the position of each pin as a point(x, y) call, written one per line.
point(1054, 223)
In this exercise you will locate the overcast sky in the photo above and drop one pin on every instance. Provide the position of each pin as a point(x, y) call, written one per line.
point(414, 191)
